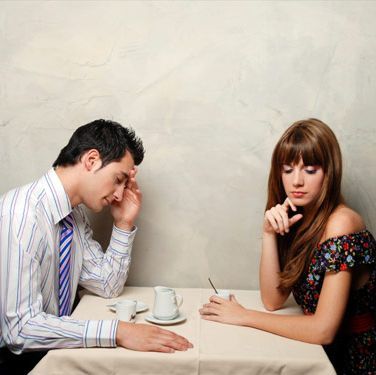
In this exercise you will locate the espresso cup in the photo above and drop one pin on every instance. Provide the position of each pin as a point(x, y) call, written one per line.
point(126, 309)
point(223, 293)
point(166, 303)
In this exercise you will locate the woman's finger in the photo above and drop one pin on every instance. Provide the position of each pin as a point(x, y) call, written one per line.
point(216, 299)
point(295, 218)
point(233, 299)
point(208, 310)
point(285, 219)
point(278, 218)
point(287, 203)
point(270, 218)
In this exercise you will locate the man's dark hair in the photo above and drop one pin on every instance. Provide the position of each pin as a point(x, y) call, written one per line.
point(110, 138)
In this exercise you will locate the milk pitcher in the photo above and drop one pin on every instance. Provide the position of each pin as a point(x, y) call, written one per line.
point(166, 303)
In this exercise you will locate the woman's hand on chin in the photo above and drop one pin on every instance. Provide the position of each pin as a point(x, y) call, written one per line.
point(276, 220)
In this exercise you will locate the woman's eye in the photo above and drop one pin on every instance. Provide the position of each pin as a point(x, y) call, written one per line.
point(311, 171)
point(286, 170)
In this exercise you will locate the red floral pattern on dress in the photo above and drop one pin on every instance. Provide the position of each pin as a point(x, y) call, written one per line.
point(357, 352)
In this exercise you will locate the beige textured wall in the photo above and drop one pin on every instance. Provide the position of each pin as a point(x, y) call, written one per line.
point(210, 87)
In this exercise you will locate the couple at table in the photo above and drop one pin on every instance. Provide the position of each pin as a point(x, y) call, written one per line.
point(313, 246)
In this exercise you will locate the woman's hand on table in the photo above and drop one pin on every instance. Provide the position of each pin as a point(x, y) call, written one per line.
point(145, 338)
point(224, 311)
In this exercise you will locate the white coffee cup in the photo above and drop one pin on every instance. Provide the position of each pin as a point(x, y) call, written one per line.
point(126, 309)
point(223, 293)
point(166, 303)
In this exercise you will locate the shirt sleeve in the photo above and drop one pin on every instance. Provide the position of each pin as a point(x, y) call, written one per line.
point(24, 324)
point(105, 273)
point(345, 252)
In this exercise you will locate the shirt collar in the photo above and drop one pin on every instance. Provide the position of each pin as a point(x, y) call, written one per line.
point(58, 198)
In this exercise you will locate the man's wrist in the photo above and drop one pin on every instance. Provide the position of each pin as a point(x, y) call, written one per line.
point(100, 333)
point(121, 332)
point(118, 333)
point(124, 225)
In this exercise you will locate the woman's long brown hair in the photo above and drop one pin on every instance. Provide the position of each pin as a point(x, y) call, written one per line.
point(316, 144)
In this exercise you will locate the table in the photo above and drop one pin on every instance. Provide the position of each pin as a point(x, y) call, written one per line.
point(218, 348)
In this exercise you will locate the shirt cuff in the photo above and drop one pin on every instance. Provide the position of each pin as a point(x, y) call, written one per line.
point(100, 333)
point(122, 240)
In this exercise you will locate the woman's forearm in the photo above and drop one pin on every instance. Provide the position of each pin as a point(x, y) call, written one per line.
point(272, 297)
point(306, 328)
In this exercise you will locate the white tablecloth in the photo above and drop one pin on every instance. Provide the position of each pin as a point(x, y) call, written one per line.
point(218, 348)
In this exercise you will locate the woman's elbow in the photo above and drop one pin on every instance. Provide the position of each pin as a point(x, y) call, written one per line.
point(273, 301)
point(271, 305)
point(272, 308)
point(327, 339)
point(324, 337)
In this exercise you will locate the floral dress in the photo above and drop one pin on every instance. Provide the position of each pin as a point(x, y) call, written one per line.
point(354, 348)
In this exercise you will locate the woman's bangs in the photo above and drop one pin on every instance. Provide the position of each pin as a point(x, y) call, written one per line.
point(291, 152)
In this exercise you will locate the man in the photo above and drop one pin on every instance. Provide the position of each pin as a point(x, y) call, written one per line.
point(47, 250)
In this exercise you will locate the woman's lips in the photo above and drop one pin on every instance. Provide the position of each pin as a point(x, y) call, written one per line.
point(298, 194)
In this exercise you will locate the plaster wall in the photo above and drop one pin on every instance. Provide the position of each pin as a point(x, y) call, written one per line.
point(210, 87)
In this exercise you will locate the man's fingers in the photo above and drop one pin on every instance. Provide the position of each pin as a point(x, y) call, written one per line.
point(168, 342)
point(130, 183)
point(168, 335)
point(145, 337)
point(156, 347)
point(134, 184)
point(176, 345)
point(133, 196)
point(169, 346)
point(178, 342)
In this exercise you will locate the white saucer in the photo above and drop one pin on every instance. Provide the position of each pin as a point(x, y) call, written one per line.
point(139, 308)
point(180, 318)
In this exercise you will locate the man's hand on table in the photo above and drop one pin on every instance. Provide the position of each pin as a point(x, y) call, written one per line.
point(146, 338)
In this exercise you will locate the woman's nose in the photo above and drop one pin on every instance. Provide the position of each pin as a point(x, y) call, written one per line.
point(298, 178)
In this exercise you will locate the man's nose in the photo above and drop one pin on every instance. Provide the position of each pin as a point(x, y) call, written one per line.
point(118, 194)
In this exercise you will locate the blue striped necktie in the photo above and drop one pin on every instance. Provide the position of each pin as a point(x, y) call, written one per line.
point(66, 235)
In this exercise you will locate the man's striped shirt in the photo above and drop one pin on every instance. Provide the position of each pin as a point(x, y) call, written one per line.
point(29, 270)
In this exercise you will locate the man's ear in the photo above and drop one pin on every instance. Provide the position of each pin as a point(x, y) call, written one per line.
point(91, 159)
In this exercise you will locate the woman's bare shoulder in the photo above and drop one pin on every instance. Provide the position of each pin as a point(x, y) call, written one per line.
point(343, 220)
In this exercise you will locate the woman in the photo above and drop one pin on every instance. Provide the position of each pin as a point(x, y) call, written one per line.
point(317, 248)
